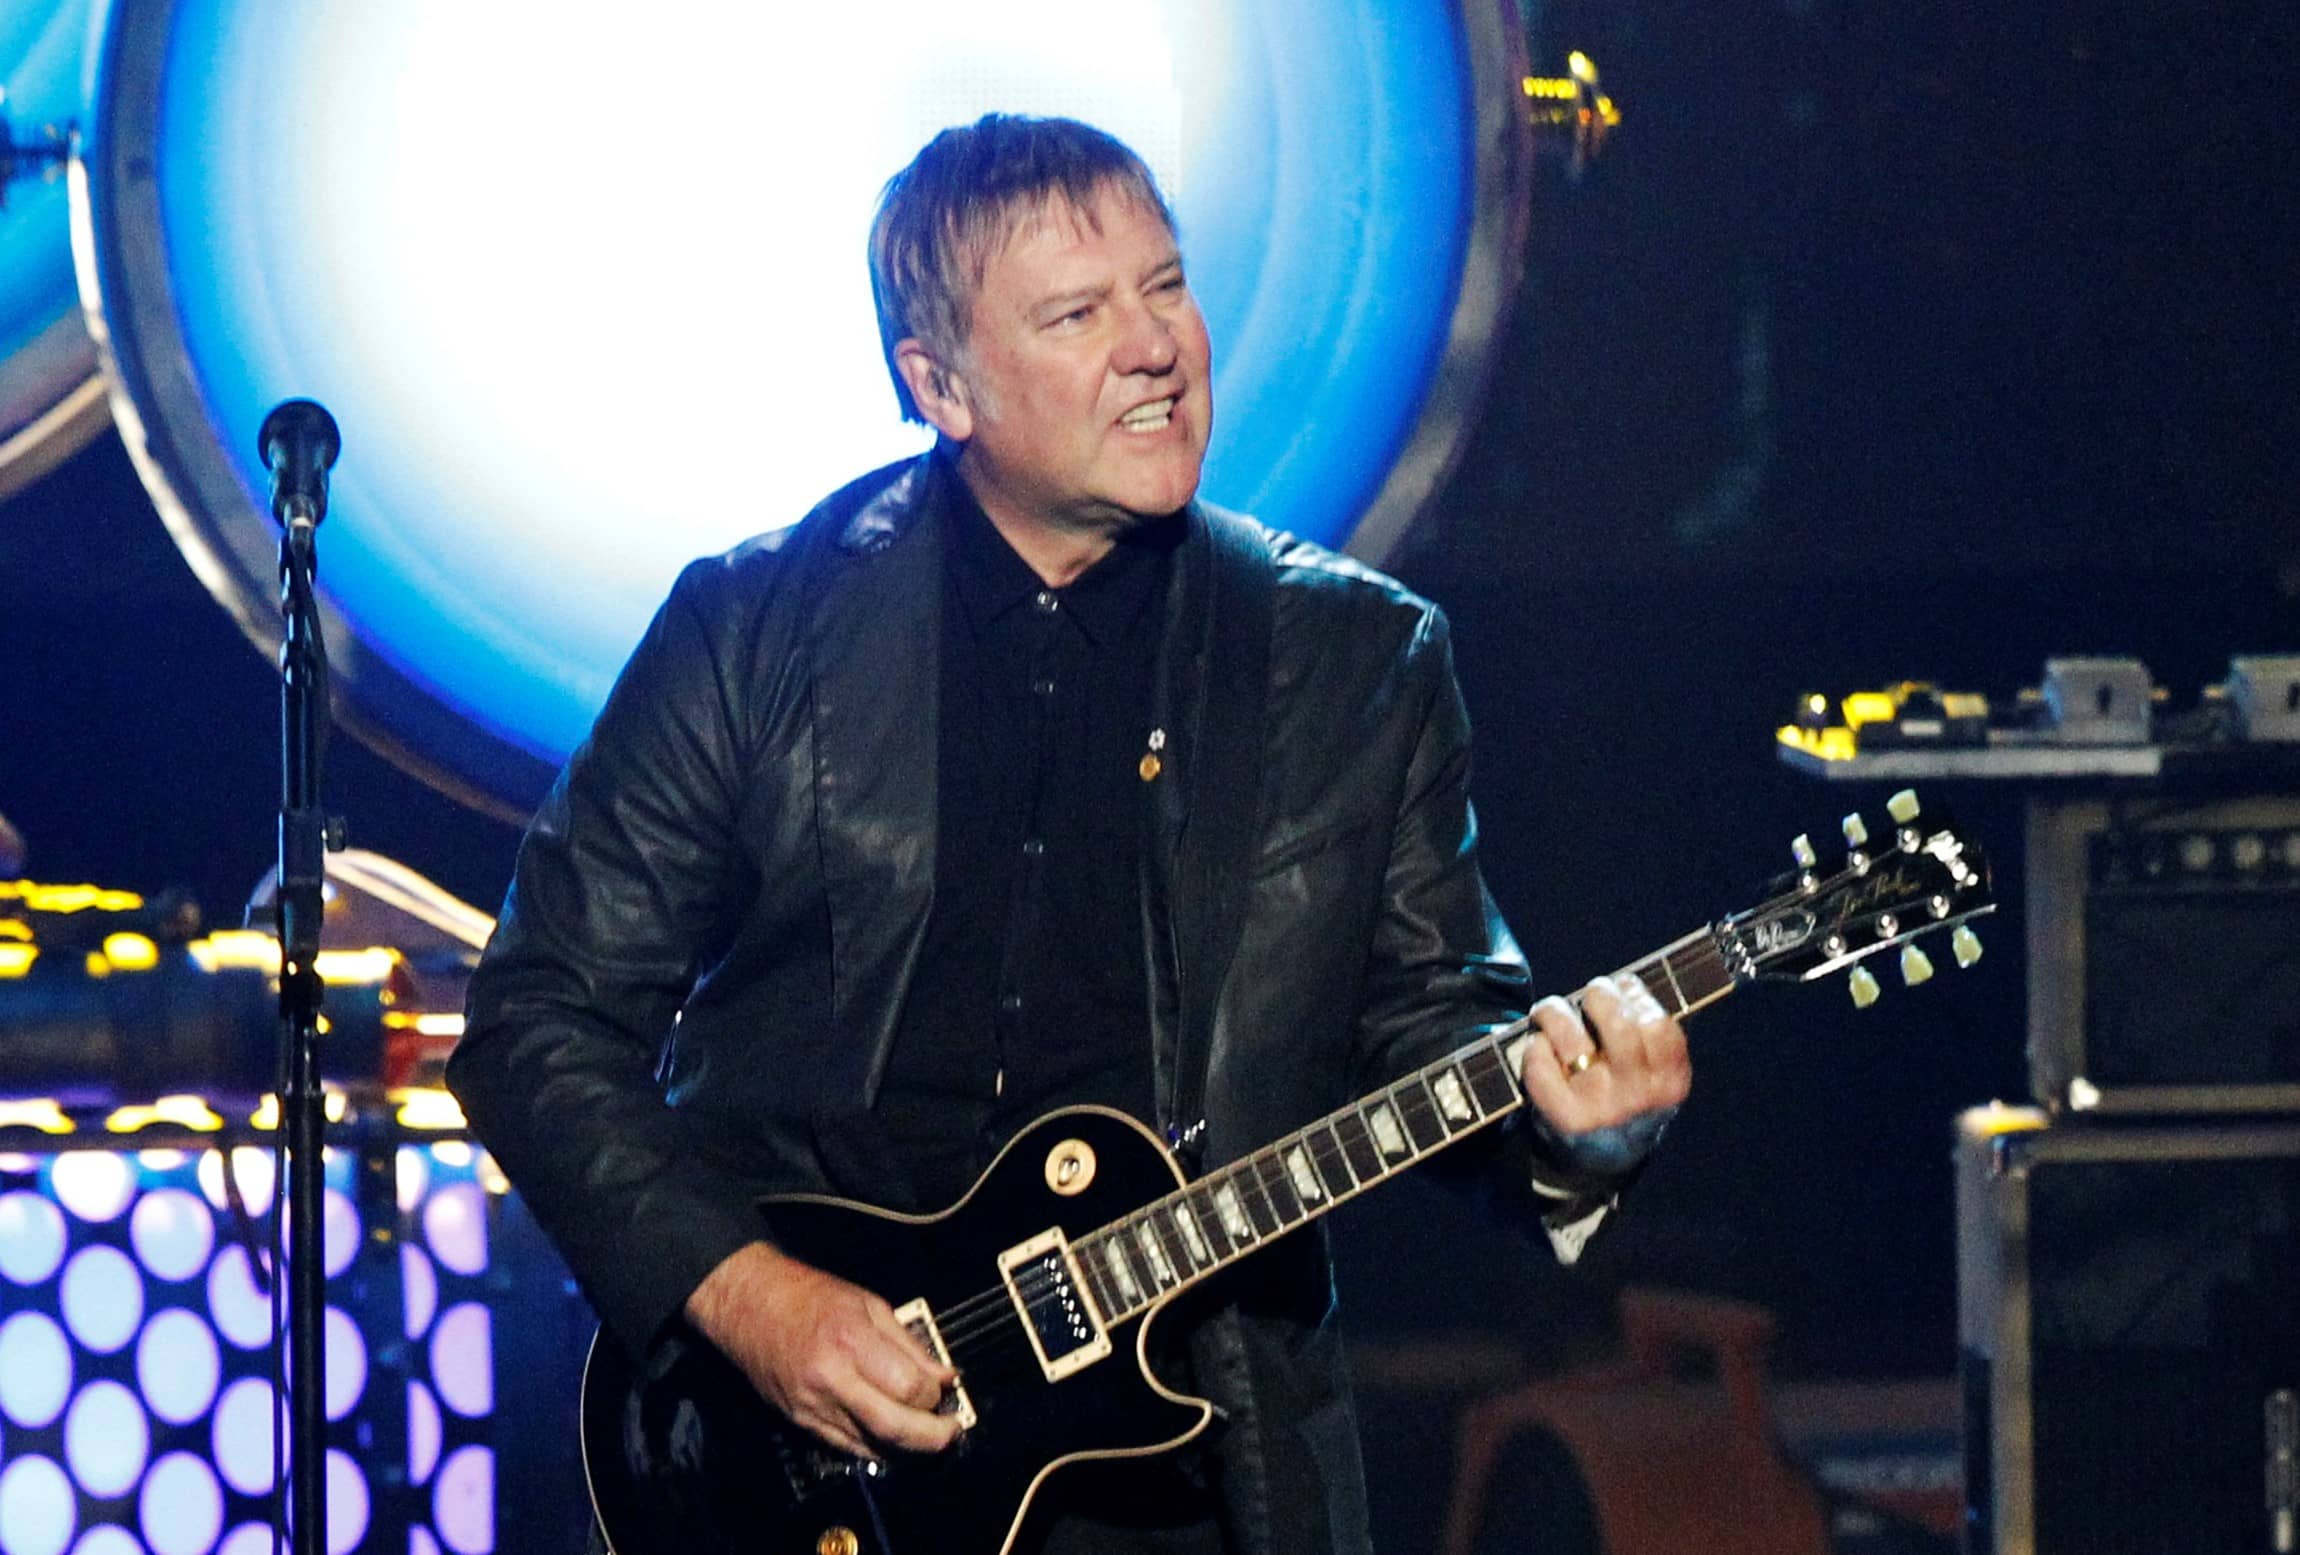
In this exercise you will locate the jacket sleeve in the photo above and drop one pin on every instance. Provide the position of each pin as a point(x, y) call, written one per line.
point(1443, 969)
point(627, 881)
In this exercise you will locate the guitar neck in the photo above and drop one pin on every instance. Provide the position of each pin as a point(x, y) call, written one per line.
point(1197, 1230)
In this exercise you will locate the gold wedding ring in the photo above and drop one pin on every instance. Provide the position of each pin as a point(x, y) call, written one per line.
point(1579, 1062)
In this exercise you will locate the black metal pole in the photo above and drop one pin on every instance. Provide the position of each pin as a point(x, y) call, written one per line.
point(298, 443)
point(298, 907)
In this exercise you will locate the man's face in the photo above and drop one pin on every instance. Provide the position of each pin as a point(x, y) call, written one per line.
point(1085, 373)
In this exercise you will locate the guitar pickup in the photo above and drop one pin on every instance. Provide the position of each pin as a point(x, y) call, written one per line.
point(918, 1317)
point(1062, 1324)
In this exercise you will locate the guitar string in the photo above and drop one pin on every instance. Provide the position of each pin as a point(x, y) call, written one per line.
point(993, 1312)
point(988, 1312)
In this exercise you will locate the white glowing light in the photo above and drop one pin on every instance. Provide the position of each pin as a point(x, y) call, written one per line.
point(242, 1312)
point(241, 1435)
point(419, 1285)
point(424, 1432)
point(346, 1363)
point(37, 1512)
point(347, 1508)
point(105, 1439)
point(177, 1365)
point(252, 1171)
point(31, 1238)
point(181, 1507)
point(35, 1369)
point(103, 1298)
point(463, 1501)
point(463, 1359)
point(172, 1232)
point(95, 1185)
point(455, 1228)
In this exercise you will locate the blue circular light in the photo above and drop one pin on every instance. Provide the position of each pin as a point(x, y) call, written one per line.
point(50, 398)
point(177, 1365)
point(103, 1298)
point(558, 388)
point(37, 1509)
point(105, 1439)
point(181, 1507)
point(31, 1238)
point(35, 1369)
point(172, 1232)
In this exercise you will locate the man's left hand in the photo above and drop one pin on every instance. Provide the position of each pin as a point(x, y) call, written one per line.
point(1604, 1086)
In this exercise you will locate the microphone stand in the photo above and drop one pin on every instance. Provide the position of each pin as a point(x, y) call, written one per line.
point(306, 833)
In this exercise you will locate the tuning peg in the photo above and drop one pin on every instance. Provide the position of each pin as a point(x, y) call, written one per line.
point(1802, 851)
point(1902, 807)
point(1916, 966)
point(1863, 986)
point(1856, 829)
point(1966, 944)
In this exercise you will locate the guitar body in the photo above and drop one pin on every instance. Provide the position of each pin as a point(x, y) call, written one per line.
point(690, 1460)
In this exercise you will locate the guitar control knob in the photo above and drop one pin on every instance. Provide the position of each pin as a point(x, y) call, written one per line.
point(1966, 944)
point(1863, 986)
point(1902, 807)
point(1856, 829)
point(838, 1541)
point(1916, 966)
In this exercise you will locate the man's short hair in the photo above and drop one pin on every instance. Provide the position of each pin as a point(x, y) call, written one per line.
point(942, 219)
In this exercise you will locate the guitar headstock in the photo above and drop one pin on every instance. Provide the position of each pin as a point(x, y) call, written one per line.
point(1888, 884)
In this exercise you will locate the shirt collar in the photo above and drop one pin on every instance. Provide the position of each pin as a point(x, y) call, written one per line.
point(1105, 599)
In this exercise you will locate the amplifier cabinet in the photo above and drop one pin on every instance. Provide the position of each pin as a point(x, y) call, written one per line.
point(2129, 1318)
point(2164, 954)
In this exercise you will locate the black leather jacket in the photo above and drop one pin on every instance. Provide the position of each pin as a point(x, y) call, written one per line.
point(741, 860)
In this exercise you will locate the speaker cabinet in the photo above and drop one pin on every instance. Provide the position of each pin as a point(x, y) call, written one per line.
point(2130, 1332)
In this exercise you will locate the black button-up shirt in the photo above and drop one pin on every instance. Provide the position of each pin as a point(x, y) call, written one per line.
point(1030, 991)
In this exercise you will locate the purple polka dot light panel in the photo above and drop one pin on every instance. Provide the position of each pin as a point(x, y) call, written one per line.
point(136, 1408)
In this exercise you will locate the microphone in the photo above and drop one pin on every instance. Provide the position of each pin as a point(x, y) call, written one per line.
point(298, 444)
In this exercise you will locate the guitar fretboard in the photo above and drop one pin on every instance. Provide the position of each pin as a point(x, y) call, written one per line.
point(1133, 1262)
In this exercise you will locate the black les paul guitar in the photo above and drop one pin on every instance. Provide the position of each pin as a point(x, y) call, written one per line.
point(1039, 1285)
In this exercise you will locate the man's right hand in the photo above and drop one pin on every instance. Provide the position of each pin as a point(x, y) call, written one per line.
point(826, 1353)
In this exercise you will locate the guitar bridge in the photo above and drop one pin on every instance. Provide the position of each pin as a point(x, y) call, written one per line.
point(918, 1317)
point(1048, 1295)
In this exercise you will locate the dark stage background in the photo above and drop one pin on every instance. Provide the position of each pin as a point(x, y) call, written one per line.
point(1884, 342)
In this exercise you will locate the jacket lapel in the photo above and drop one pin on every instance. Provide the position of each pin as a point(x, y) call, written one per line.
point(875, 666)
point(1212, 682)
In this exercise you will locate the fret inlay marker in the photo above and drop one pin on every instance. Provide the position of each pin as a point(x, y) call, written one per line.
point(1233, 1213)
point(1451, 1097)
point(1114, 1259)
point(1305, 1180)
point(1387, 1134)
point(1191, 1236)
point(1153, 1254)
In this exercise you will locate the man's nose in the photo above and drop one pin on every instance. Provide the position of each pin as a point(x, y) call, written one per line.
point(1147, 344)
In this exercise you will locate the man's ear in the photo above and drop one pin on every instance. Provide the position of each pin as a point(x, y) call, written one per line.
point(940, 393)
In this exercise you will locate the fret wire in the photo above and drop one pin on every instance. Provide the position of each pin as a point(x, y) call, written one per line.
point(1209, 1220)
point(1365, 1160)
point(1279, 1185)
point(1250, 1196)
point(1416, 1089)
point(1169, 1237)
point(1082, 1250)
point(1329, 1162)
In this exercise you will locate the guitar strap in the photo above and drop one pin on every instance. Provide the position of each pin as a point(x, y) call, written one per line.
point(1211, 700)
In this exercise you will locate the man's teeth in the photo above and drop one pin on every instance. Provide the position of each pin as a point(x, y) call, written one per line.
point(1148, 418)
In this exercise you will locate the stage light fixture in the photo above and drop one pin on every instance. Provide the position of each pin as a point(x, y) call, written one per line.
point(586, 292)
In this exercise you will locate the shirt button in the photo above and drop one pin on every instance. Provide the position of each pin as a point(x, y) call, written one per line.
point(1044, 688)
point(1046, 602)
point(1010, 1002)
point(1034, 846)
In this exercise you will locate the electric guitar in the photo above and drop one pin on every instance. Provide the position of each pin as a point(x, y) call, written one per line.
point(1040, 1284)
